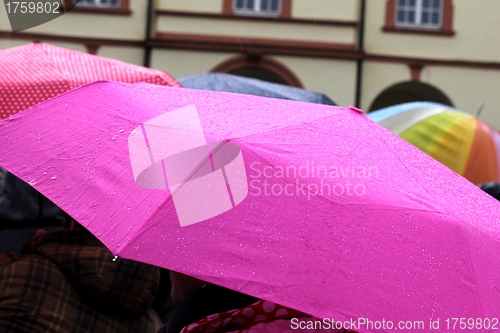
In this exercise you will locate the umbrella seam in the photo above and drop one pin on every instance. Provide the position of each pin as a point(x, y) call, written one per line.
point(443, 207)
point(478, 300)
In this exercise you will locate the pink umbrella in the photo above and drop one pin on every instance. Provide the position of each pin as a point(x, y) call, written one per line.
point(35, 72)
point(313, 207)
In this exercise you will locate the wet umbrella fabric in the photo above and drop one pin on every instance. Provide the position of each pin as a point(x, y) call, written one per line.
point(245, 85)
point(319, 209)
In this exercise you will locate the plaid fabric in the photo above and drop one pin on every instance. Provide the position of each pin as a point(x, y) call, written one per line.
point(66, 281)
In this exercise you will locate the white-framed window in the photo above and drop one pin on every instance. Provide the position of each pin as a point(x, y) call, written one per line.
point(419, 13)
point(257, 7)
point(99, 3)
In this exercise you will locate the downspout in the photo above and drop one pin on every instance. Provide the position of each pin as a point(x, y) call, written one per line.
point(361, 50)
point(147, 48)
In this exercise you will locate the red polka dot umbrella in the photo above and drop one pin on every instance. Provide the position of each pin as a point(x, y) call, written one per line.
point(35, 72)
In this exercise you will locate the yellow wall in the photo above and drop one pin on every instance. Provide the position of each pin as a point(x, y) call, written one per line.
point(133, 55)
point(344, 10)
point(7, 43)
point(467, 88)
point(200, 6)
point(304, 9)
point(180, 63)
point(475, 24)
point(378, 76)
point(4, 19)
point(334, 78)
point(88, 25)
point(246, 29)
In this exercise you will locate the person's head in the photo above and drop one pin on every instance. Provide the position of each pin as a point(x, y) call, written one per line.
point(492, 188)
point(183, 286)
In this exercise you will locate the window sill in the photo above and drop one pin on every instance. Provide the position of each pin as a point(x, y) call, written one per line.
point(417, 31)
point(105, 11)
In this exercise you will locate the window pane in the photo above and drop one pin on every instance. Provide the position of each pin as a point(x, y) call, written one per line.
point(435, 18)
point(425, 17)
point(411, 16)
point(424, 13)
point(108, 3)
point(274, 5)
point(257, 7)
point(98, 3)
point(401, 16)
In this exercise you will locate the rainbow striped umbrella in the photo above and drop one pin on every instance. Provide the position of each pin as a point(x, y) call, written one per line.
point(459, 140)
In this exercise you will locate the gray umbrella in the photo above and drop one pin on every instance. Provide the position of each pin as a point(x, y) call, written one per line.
point(244, 85)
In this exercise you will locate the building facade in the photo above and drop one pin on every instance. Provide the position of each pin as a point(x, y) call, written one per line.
point(365, 53)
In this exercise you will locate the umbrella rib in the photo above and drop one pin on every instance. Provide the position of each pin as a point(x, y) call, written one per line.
point(182, 183)
point(410, 172)
point(478, 299)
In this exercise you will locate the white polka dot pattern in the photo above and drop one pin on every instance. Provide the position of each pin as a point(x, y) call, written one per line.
point(33, 73)
point(259, 317)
